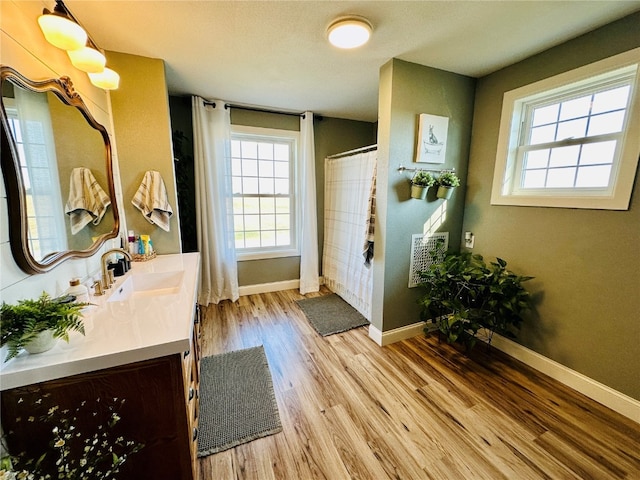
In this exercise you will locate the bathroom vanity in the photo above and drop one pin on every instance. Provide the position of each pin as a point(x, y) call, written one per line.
point(141, 345)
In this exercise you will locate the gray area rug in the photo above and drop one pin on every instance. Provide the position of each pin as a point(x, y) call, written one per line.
point(330, 314)
point(237, 401)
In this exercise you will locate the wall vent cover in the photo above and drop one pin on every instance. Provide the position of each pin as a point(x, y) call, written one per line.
point(421, 248)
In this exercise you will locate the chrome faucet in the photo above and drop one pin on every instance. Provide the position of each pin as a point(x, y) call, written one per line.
point(106, 279)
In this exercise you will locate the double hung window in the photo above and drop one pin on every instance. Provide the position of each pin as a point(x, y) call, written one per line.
point(569, 141)
point(264, 182)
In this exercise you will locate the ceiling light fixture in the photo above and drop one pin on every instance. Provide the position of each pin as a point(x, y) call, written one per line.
point(62, 30)
point(349, 32)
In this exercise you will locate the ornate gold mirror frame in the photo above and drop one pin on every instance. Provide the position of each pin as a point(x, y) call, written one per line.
point(15, 184)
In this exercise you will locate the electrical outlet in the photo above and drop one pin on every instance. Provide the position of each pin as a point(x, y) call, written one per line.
point(469, 239)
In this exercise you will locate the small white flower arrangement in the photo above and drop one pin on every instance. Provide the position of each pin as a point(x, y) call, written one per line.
point(74, 455)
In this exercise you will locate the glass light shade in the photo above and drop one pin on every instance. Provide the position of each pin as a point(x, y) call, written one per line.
point(349, 32)
point(107, 79)
point(87, 59)
point(62, 32)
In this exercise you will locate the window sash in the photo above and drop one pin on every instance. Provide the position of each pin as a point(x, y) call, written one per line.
point(620, 148)
point(270, 232)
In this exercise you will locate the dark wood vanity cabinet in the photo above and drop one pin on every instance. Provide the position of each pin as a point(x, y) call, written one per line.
point(160, 411)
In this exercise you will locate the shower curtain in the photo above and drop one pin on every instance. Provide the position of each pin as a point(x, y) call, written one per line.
point(347, 189)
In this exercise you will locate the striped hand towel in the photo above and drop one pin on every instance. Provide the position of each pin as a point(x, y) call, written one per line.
point(151, 199)
point(87, 200)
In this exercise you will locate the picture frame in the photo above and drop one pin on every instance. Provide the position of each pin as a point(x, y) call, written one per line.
point(432, 139)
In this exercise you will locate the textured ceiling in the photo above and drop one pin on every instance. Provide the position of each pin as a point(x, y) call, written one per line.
point(275, 54)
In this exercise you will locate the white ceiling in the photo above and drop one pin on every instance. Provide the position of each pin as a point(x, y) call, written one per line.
point(275, 54)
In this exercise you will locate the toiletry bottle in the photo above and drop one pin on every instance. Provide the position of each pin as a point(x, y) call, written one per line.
point(145, 243)
point(78, 290)
point(132, 242)
point(140, 246)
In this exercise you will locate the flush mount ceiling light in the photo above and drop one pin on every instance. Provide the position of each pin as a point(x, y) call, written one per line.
point(349, 32)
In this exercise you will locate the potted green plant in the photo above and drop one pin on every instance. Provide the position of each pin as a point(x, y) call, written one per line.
point(35, 324)
point(446, 182)
point(420, 182)
point(463, 295)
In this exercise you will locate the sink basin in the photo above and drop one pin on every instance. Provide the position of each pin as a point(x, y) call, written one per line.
point(148, 285)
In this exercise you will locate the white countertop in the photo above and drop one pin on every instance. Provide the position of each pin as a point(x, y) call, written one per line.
point(118, 332)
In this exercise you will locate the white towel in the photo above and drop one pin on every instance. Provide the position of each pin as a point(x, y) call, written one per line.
point(151, 199)
point(87, 201)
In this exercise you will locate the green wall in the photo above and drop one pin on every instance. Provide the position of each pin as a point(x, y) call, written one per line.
point(142, 129)
point(586, 262)
point(407, 90)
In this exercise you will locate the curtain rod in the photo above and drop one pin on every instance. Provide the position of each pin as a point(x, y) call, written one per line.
point(356, 150)
point(418, 169)
point(255, 109)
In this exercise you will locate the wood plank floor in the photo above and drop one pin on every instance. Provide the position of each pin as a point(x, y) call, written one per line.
point(417, 409)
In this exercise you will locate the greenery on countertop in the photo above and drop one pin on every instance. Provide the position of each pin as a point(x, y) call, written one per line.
point(21, 323)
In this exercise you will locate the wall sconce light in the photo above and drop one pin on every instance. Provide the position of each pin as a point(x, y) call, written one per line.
point(349, 32)
point(62, 30)
point(87, 59)
point(107, 79)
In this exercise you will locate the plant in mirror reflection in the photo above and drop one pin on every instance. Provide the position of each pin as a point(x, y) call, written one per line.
point(78, 449)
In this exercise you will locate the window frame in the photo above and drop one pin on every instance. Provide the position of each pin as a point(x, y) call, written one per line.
point(509, 155)
point(243, 132)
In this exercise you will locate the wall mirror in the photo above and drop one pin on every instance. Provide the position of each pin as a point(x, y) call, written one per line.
point(57, 168)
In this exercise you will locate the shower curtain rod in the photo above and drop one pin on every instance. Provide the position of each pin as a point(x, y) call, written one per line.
point(256, 109)
point(357, 150)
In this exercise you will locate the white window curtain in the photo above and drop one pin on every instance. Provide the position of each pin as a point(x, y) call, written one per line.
point(214, 209)
point(40, 169)
point(309, 229)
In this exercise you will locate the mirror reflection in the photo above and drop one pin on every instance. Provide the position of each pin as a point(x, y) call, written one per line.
point(62, 178)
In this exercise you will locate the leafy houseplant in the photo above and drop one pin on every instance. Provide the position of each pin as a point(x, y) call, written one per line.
point(23, 323)
point(463, 294)
point(420, 182)
point(446, 182)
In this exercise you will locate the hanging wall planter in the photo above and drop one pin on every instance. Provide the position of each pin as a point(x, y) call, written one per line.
point(444, 192)
point(446, 182)
point(420, 183)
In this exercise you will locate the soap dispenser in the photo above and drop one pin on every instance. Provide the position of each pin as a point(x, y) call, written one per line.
point(78, 290)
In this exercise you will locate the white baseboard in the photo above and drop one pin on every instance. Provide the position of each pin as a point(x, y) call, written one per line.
point(607, 396)
point(272, 287)
point(268, 287)
point(397, 334)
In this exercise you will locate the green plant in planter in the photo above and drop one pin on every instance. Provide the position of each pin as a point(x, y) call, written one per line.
point(446, 182)
point(448, 179)
point(463, 295)
point(420, 182)
point(20, 324)
point(423, 179)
